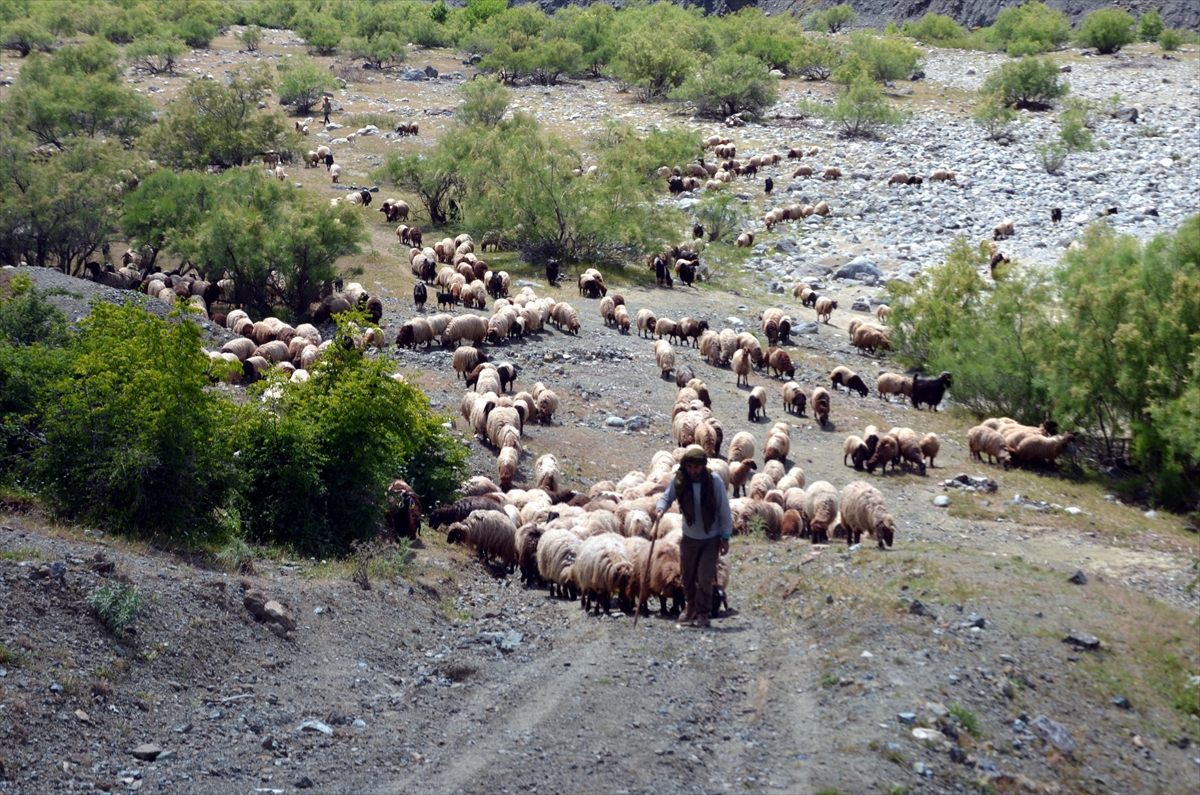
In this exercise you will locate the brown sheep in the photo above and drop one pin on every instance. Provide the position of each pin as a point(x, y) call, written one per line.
point(802, 171)
point(930, 445)
point(794, 399)
point(820, 510)
point(739, 474)
point(820, 403)
point(792, 525)
point(833, 172)
point(741, 366)
point(871, 338)
point(1040, 449)
point(886, 452)
point(893, 384)
point(825, 307)
point(780, 363)
point(983, 440)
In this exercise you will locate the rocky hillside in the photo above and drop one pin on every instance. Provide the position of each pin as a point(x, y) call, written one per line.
point(971, 13)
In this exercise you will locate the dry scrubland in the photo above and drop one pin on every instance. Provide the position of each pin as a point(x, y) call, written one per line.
point(447, 675)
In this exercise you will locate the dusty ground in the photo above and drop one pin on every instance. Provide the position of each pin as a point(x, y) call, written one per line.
point(799, 689)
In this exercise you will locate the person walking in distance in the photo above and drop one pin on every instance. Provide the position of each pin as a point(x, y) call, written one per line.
point(326, 107)
point(707, 526)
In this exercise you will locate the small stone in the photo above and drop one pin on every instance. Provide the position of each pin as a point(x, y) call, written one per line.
point(941, 501)
point(957, 755)
point(83, 716)
point(919, 768)
point(165, 756)
point(1074, 511)
point(147, 752)
point(615, 422)
point(919, 609)
point(1054, 733)
point(304, 782)
point(1082, 640)
point(1121, 702)
point(1147, 514)
point(937, 709)
point(976, 621)
point(315, 726)
point(1078, 578)
point(1006, 687)
point(907, 718)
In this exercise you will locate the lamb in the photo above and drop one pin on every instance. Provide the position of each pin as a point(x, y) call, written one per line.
point(666, 579)
point(1003, 230)
point(820, 403)
point(930, 390)
point(833, 172)
point(646, 322)
point(664, 355)
point(758, 403)
point(491, 532)
point(621, 318)
point(909, 447)
point(745, 240)
point(883, 312)
point(855, 449)
point(1040, 449)
point(739, 473)
point(741, 447)
point(871, 338)
point(893, 384)
point(942, 175)
point(527, 539)
point(886, 452)
point(865, 512)
point(602, 567)
point(690, 328)
point(547, 473)
point(750, 342)
point(557, 551)
point(470, 328)
point(547, 404)
point(820, 509)
point(983, 440)
point(335, 173)
point(506, 466)
point(780, 363)
point(741, 366)
point(844, 376)
point(778, 444)
point(794, 398)
point(930, 445)
point(825, 307)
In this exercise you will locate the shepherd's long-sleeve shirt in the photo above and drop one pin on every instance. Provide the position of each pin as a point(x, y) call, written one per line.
point(722, 519)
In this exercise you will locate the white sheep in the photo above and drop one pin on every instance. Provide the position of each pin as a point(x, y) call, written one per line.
point(865, 512)
point(335, 173)
point(820, 510)
point(664, 356)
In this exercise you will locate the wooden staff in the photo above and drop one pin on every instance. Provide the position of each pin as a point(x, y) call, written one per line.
point(646, 574)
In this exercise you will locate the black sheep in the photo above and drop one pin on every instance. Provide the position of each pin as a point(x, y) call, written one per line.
point(328, 160)
point(697, 231)
point(930, 390)
point(446, 299)
point(366, 197)
point(1055, 215)
point(552, 272)
point(687, 273)
point(769, 186)
point(508, 374)
point(420, 295)
point(458, 511)
point(675, 185)
point(811, 301)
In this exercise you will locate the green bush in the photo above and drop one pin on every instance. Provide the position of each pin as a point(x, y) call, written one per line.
point(1030, 83)
point(1170, 39)
point(624, 149)
point(653, 67)
point(322, 32)
point(1053, 156)
point(886, 57)
point(196, 32)
point(994, 116)
point(302, 83)
point(134, 440)
point(934, 29)
point(1029, 29)
point(815, 59)
point(117, 605)
point(720, 213)
point(484, 102)
point(251, 37)
point(1107, 29)
point(23, 36)
point(379, 52)
point(1150, 25)
point(317, 459)
point(862, 110)
point(831, 20)
point(1073, 130)
point(155, 54)
point(731, 84)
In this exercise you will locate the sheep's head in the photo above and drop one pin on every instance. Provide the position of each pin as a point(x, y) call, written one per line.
point(885, 531)
point(946, 378)
point(456, 534)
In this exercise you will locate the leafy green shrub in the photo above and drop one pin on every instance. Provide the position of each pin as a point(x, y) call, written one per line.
point(218, 123)
point(196, 32)
point(730, 84)
point(251, 37)
point(653, 67)
point(720, 213)
point(815, 59)
point(433, 178)
point(1028, 29)
point(1053, 156)
point(322, 32)
point(1030, 83)
point(23, 36)
point(118, 606)
point(886, 57)
point(624, 149)
point(994, 116)
point(302, 83)
point(133, 440)
point(484, 102)
point(1073, 131)
point(1107, 29)
point(317, 460)
point(1150, 25)
point(862, 110)
point(156, 55)
point(379, 52)
point(831, 20)
point(934, 28)
point(990, 341)
point(1170, 39)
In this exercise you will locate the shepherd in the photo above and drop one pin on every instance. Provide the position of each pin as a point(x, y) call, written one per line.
point(326, 107)
point(707, 526)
